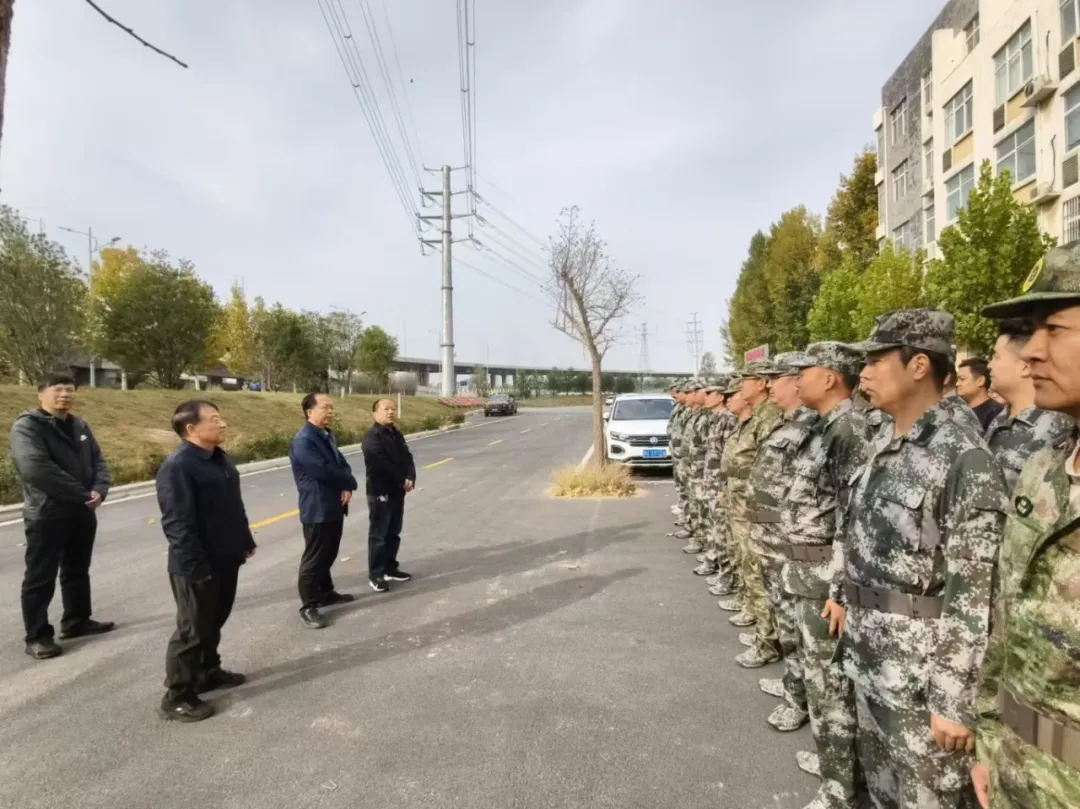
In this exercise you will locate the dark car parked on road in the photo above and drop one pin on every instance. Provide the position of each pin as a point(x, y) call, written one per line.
point(500, 406)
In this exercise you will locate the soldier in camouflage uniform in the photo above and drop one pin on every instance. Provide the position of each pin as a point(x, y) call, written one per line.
point(712, 398)
point(770, 476)
point(716, 561)
point(693, 444)
point(674, 430)
point(760, 417)
point(826, 460)
point(1029, 696)
point(920, 547)
point(686, 415)
point(1021, 429)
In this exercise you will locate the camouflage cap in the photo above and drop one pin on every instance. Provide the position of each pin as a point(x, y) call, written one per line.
point(758, 368)
point(784, 364)
point(694, 385)
point(923, 329)
point(718, 385)
point(734, 384)
point(1054, 278)
point(839, 357)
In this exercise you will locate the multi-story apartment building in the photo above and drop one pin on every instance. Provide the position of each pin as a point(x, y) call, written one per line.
point(995, 80)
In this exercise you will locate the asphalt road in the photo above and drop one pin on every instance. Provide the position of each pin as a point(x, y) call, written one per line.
point(548, 654)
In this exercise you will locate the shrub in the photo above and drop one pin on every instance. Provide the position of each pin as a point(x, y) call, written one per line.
point(611, 480)
point(457, 418)
point(431, 423)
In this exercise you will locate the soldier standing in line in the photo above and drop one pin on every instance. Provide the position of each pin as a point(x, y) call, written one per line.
point(827, 459)
point(770, 477)
point(734, 409)
point(689, 411)
point(919, 555)
point(715, 558)
point(760, 416)
point(694, 447)
point(1021, 429)
point(1029, 697)
point(674, 430)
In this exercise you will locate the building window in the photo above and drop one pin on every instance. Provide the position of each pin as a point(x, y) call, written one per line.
point(1016, 154)
point(1069, 19)
point(929, 228)
point(898, 121)
point(957, 189)
point(1072, 118)
point(927, 90)
point(1013, 65)
point(904, 235)
point(1070, 220)
point(971, 33)
point(900, 180)
point(958, 115)
point(928, 160)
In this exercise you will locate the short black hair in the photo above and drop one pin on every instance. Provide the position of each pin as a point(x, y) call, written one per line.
point(57, 378)
point(189, 413)
point(978, 367)
point(941, 365)
point(1018, 331)
point(309, 402)
point(851, 381)
point(379, 401)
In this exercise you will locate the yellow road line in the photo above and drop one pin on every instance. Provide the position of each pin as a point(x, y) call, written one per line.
point(438, 463)
point(255, 526)
point(493, 443)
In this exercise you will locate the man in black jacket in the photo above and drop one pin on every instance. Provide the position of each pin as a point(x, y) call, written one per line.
point(203, 517)
point(64, 480)
point(391, 474)
point(325, 483)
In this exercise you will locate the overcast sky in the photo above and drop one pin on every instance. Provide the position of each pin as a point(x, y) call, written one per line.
point(681, 128)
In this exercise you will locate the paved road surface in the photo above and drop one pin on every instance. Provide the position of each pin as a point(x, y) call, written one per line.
point(549, 654)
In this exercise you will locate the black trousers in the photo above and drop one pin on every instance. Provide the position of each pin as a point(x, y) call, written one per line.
point(202, 608)
point(322, 540)
point(385, 516)
point(62, 545)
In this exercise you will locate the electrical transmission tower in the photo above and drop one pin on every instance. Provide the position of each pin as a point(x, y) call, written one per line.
point(694, 340)
point(643, 360)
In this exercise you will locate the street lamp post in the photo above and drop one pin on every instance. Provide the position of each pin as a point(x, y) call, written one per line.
point(90, 250)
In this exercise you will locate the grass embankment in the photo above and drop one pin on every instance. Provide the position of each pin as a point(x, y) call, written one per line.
point(557, 401)
point(135, 436)
point(592, 480)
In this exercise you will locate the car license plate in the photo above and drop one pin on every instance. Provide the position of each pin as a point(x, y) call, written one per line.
point(654, 453)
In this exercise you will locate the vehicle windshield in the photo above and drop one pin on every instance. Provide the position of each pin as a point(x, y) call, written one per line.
point(642, 410)
point(498, 400)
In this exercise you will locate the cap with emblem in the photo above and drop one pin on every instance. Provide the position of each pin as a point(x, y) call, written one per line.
point(839, 357)
point(762, 369)
point(784, 363)
point(1055, 279)
point(922, 329)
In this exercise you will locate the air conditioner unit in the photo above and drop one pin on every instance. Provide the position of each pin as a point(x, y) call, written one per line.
point(1043, 193)
point(1038, 90)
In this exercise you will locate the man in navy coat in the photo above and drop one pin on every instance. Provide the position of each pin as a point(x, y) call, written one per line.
point(325, 483)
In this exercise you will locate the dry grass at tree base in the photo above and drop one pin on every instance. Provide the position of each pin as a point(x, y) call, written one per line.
point(135, 436)
point(593, 480)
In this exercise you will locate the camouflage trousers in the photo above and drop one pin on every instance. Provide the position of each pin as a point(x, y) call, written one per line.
point(678, 474)
point(697, 509)
point(787, 630)
point(1024, 777)
point(767, 593)
point(752, 583)
point(717, 544)
point(830, 699)
point(904, 768)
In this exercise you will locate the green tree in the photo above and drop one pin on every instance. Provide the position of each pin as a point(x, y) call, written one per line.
point(894, 280)
point(158, 319)
point(480, 382)
point(708, 364)
point(342, 334)
point(750, 315)
point(852, 218)
point(624, 383)
point(985, 257)
point(42, 300)
point(375, 354)
point(834, 307)
point(287, 354)
point(232, 343)
point(792, 277)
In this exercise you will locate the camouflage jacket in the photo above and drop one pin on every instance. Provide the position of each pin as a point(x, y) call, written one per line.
point(770, 475)
point(741, 449)
point(697, 433)
point(1013, 440)
point(1034, 651)
point(719, 430)
point(834, 449)
point(926, 517)
point(962, 413)
point(675, 428)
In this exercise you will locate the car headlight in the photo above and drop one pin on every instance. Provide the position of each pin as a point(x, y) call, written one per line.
point(619, 436)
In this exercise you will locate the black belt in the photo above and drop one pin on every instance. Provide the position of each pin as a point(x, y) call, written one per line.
point(1039, 730)
point(806, 553)
point(882, 600)
point(765, 514)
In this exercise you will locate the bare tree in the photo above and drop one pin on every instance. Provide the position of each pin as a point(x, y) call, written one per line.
point(591, 296)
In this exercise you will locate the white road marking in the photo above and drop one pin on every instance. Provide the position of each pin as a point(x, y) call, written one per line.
point(588, 455)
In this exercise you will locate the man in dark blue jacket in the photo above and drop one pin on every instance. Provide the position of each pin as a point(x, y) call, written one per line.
point(204, 519)
point(325, 483)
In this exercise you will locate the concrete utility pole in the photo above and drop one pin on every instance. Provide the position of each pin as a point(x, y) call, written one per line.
point(694, 340)
point(643, 360)
point(90, 250)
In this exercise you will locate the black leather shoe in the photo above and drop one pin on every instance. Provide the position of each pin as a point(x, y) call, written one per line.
point(379, 585)
point(88, 627)
point(43, 649)
point(189, 709)
point(399, 575)
point(337, 598)
point(312, 619)
point(220, 678)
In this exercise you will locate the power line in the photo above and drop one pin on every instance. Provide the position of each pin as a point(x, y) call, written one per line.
point(508, 218)
point(694, 337)
point(466, 37)
point(404, 88)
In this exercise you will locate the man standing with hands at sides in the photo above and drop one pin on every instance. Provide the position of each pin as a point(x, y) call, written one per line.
point(1029, 698)
point(64, 480)
point(203, 517)
point(391, 474)
point(325, 483)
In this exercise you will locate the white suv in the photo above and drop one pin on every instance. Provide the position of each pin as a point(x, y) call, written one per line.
point(635, 431)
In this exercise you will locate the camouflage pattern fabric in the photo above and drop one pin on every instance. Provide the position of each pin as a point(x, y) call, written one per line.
point(717, 546)
point(923, 329)
point(926, 519)
point(676, 428)
point(1055, 278)
point(1013, 440)
point(1034, 652)
point(835, 448)
point(694, 444)
point(962, 413)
